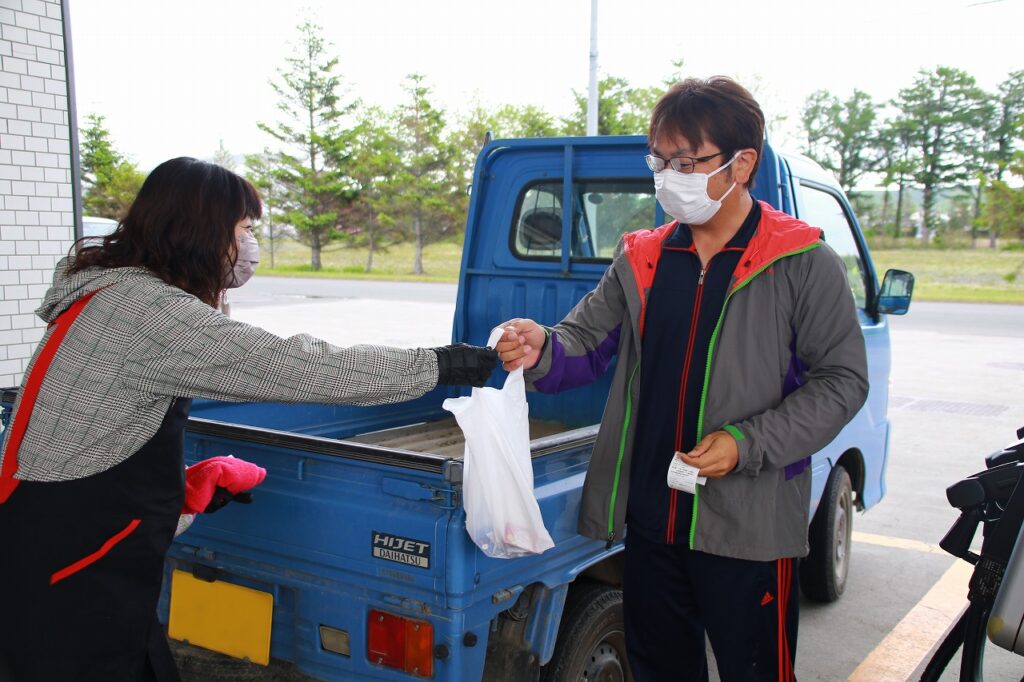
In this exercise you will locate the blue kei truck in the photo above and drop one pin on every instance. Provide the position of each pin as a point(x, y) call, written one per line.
point(353, 562)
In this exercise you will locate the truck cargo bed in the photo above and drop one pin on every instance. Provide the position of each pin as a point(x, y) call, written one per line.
point(443, 437)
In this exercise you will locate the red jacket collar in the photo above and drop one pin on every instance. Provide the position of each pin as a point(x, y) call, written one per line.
point(777, 234)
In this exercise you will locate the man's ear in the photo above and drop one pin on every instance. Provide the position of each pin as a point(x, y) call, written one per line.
point(743, 166)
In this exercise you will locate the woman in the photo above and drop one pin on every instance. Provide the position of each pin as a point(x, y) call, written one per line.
point(91, 476)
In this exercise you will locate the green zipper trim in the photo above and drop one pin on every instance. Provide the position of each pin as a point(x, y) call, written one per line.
point(707, 366)
point(622, 452)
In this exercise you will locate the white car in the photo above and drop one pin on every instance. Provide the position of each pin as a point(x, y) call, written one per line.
point(95, 229)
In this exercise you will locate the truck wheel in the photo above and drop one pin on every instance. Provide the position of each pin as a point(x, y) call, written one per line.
point(591, 645)
point(823, 572)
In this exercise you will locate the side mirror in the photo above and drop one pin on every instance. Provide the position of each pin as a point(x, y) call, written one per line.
point(894, 296)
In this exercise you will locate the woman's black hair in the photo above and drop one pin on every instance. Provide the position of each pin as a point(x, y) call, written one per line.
point(181, 227)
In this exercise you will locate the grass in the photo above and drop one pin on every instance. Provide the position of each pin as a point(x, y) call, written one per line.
point(979, 275)
point(441, 262)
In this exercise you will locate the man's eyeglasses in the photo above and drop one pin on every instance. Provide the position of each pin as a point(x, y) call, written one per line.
point(680, 164)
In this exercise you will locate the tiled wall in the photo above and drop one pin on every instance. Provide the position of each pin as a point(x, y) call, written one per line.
point(36, 204)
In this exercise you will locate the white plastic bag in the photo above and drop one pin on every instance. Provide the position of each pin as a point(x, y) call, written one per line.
point(502, 515)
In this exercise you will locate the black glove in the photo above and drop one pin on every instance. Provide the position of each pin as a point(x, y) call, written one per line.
point(464, 365)
point(221, 496)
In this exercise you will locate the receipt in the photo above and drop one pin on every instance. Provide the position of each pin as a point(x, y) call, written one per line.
point(682, 476)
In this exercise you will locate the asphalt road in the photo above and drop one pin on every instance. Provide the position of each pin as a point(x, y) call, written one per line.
point(956, 394)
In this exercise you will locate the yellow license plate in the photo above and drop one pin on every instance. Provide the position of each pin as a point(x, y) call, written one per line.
point(219, 616)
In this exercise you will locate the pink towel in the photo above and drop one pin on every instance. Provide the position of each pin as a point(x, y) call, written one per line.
point(203, 478)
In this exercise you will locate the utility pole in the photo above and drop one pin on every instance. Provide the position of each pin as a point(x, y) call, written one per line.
point(592, 96)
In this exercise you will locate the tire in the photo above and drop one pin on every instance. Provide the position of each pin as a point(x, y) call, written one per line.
point(824, 571)
point(591, 645)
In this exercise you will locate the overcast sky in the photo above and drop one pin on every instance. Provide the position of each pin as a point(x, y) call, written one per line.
point(174, 77)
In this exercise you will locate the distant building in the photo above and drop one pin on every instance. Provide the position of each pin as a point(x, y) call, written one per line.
point(39, 188)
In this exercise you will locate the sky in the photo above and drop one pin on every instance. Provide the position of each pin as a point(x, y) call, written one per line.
point(180, 77)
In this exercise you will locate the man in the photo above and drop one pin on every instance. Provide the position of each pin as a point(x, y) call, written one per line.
point(740, 355)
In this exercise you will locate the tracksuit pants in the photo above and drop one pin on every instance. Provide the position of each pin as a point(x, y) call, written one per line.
point(673, 595)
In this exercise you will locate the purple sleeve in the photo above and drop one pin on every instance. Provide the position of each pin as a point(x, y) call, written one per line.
point(569, 372)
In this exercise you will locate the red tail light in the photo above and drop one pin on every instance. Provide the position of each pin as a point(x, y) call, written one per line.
point(401, 643)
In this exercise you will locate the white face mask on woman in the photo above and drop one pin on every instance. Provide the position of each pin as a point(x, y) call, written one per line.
point(245, 264)
point(684, 196)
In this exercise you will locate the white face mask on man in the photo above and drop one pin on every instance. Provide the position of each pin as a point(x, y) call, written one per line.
point(684, 196)
point(245, 264)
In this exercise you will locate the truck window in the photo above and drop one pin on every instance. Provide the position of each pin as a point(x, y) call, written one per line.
point(821, 208)
point(602, 212)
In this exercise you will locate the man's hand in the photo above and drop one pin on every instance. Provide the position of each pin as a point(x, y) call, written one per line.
point(715, 455)
point(521, 344)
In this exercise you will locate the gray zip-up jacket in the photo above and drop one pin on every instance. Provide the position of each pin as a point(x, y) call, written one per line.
point(787, 370)
point(141, 342)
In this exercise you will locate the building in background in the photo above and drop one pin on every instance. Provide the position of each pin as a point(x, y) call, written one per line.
point(39, 188)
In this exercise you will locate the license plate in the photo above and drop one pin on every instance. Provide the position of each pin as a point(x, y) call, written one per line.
point(220, 616)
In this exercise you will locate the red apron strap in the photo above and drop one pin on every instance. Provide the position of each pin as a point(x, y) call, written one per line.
point(19, 425)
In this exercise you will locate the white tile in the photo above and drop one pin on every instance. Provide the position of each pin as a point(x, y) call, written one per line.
point(39, 39)
point(23, 51)
point(19, 126)
point(47, 161)
point(27, 217)
point(29, 277)
point(19, 262)
point(42, 99)
point(40, 129)
point(11, 277)
point(23, 158)
point(8, 307)
point(36, 232)
point(34, 6)
point(32, 83)
point(56, 87)
point(24, 188)
point(53, 116)
point(26, 20)
point(39, 204)
point(55, 248)
point(55, 175)
point(18, 96)
point(12, 233)
point(26, 248)
point(53, 27)
point(6, 16)
point(36, 144)
point(6, 248)
point(46, 189)
point(39, 70)
point(8, 172)
point(15, 292)
point(15, 34)
point(20, 350)
point(37, 291)
point(59, 232)
point(23, 320)
point(34, 335)
point(11, 4)
point(32, 174)
point(59, 144)
point(43, 262)
point(12, 141)
point(16, 203)
point(10, 366)
point(10, 80)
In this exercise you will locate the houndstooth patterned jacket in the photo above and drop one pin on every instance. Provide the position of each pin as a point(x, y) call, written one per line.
point(141, 342)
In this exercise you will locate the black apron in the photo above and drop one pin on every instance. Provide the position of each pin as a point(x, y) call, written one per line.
point(81, 563)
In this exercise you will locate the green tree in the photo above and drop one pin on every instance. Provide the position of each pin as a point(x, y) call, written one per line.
point(429, 204)
point(622, 109)
point(944, 111)
point(110, 180)
point(316, 188)
point(260, 170)
point(222, 157)
point(896, 162)
point(841, 134)
point(374, 166)
point(1003, 143)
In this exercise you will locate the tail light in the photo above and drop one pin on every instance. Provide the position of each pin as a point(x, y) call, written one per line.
point(401, 643)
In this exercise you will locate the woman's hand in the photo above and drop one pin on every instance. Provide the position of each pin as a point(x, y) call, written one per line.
point(521, 344)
